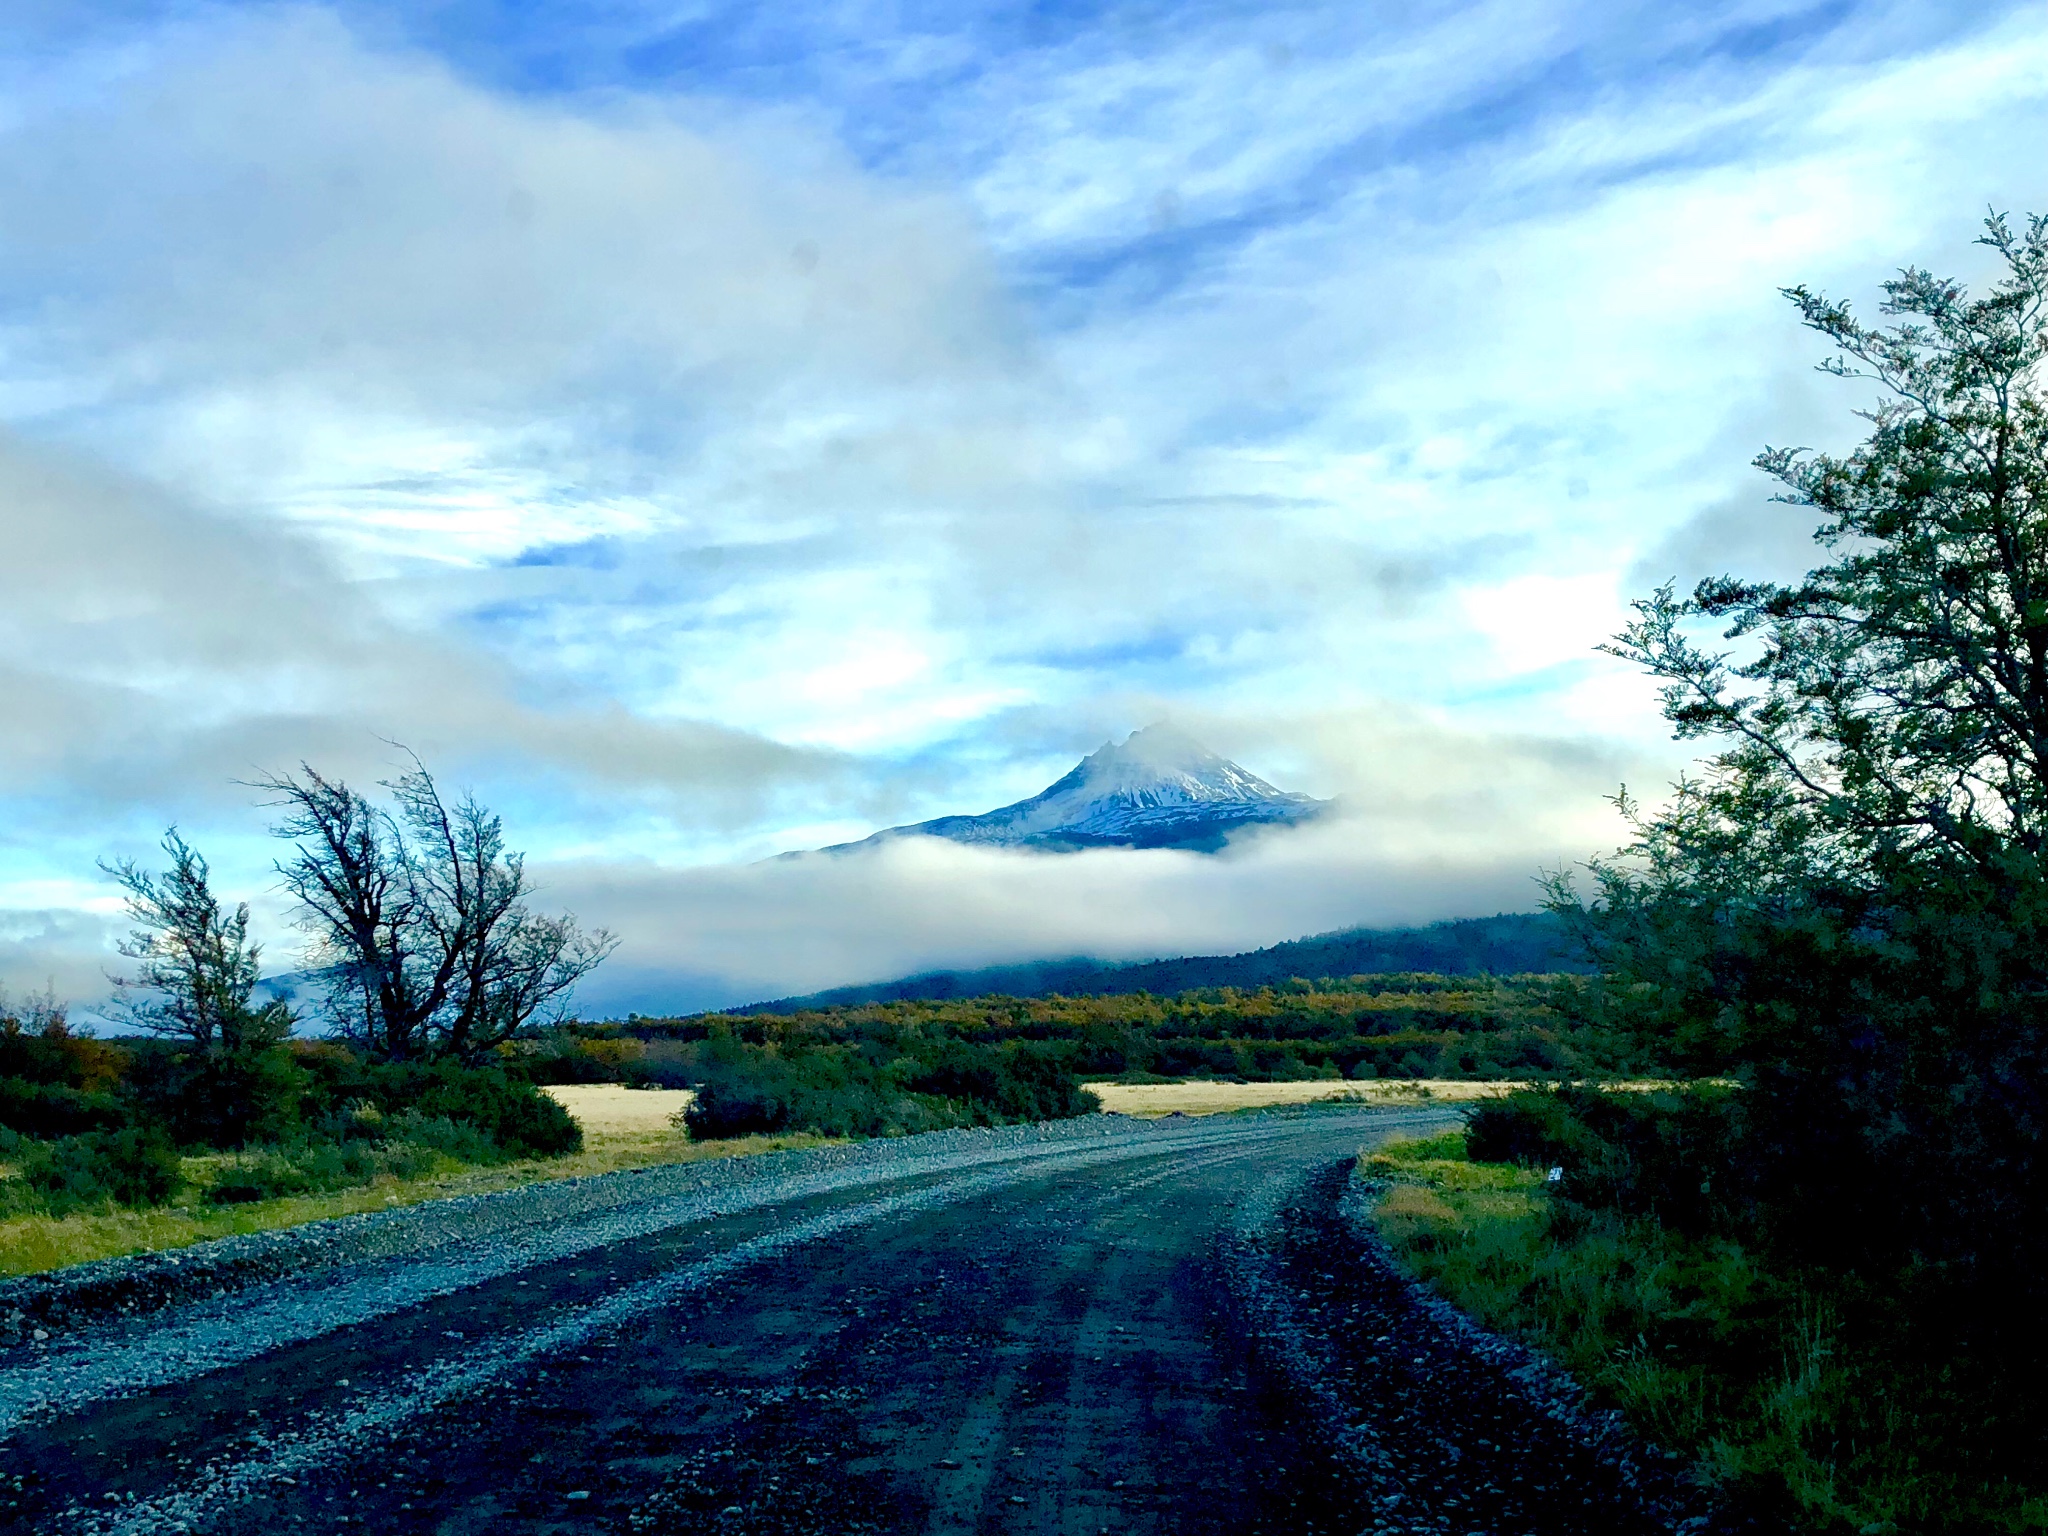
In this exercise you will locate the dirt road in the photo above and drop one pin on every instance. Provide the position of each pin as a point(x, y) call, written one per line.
point(1114, 1328)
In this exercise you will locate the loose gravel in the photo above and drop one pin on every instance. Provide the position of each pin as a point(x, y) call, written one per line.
point(89, 1294)
point(298, 1285)
point(1439, 1427)
point(994, 1330)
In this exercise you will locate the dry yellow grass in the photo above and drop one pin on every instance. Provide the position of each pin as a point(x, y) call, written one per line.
point(622, 1128)
point(1149, 1100)
point(608, 1109)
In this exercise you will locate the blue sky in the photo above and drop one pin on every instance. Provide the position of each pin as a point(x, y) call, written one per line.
point(710, 430)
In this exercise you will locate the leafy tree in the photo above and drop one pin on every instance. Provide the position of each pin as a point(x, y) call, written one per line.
point(1894, 705)
point(1848, 907)
point(418, 917)
point(196, 969)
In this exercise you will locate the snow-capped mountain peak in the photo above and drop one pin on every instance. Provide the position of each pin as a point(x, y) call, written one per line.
point(1159, 788)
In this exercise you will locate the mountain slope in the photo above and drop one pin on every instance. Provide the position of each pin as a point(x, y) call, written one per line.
point(1514, 943)
point(1157, 789)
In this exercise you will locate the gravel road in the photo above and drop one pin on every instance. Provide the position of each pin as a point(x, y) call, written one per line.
point(1100, 1326)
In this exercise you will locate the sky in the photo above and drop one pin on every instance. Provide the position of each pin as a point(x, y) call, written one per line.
point(708, 430)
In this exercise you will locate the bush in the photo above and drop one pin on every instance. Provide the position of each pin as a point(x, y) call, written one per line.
point(561, 1057)
point(1679, 1155)
point(741, 1099)
point(516, 1115)
point(128, 1167)
point(1019, 1084)
point(47, 1110)
point(262, 1176)
point(315, 1168)
point(229, 1100)
point(451, 1138)
point(744, 1089)
point(1788, 1385)
point(41, 1048)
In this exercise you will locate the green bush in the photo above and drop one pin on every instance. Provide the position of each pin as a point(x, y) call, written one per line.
point(1022, 1083)
point(261, 1176)
point(742, 1099)
point(43, 1049)
point(226, 1100)
point(1789, 1387)
point(100, 1168)
point(451, 1138)
point(359, 1097)
point(746, 1089)
point(517, 1116)
point(315, 1168)
point(49, 1110)
point(561, 1056)
point(1679, 1155)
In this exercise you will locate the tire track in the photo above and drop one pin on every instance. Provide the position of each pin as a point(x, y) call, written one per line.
point(361, 1402)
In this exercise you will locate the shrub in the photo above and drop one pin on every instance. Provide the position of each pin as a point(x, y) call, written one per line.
point(843, 1091)
point(741, 1099)
point(224, 1100)
point(516, 1115)
point(262, 1176)
point(315, 1167)
point(451, 1138)
point(48, 1110)
point(37, 1045)
point(127, 1167)
point(1679, 1155)
point(561, 1057)
point(744, 1090)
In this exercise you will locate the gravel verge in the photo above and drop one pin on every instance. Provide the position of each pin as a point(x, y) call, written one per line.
point(1440, 1427)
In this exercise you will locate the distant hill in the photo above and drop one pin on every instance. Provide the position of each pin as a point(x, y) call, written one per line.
point(1514, 943)
point(1157, 789)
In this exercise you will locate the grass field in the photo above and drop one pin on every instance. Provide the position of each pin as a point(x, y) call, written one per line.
point(1197, 1097)
point(622, 1128)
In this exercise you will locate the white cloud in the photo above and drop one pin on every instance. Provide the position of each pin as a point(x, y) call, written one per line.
point(349, 286)
point(1431, 822)
point(1275, 371)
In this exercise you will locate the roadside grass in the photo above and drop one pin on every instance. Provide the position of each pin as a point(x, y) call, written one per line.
point(30, 1244)
point(1793, 1412)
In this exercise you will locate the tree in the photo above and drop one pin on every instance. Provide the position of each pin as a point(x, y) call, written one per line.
point(418, 918)
point(1894, 705)
point(1846, 909)
point(196, 967)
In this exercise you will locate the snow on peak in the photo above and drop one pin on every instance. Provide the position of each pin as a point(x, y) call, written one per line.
point(1158, 788)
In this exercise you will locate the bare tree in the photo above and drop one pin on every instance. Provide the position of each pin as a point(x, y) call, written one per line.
point(418, 917)
point(196, 970)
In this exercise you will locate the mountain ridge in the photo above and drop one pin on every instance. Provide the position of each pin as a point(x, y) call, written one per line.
point(1508, 943)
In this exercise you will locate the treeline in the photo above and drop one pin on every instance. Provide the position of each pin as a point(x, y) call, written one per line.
point(424, 962)
point(1510, 944)
point(888, 1068)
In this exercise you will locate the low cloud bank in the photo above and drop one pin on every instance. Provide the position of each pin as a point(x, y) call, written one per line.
point(1430, 821)
point(710, 937)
